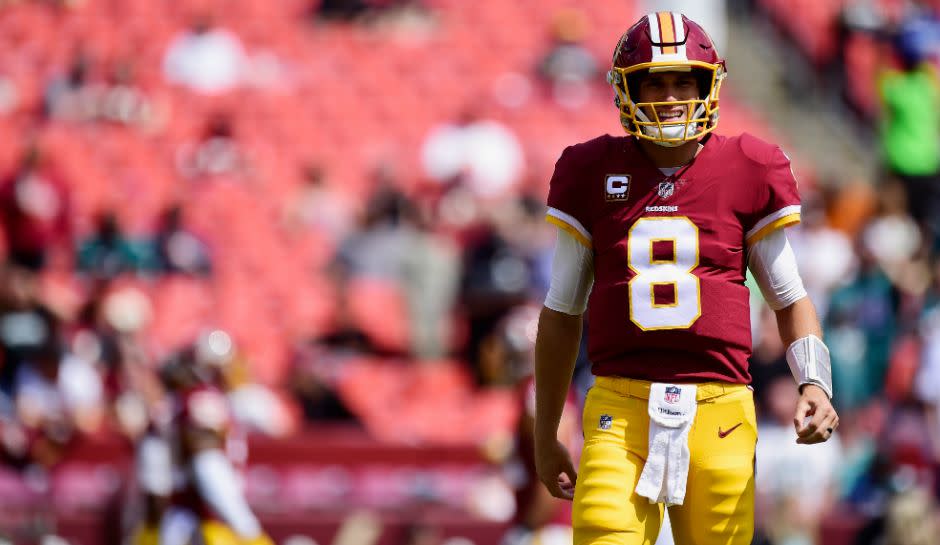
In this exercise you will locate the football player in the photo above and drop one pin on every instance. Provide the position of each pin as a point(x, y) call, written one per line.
point(207, 506)
point(655, 231)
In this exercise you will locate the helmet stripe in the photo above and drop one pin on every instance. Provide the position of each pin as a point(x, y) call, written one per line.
point(667, 32)
point(681, 33)
point(654, 29)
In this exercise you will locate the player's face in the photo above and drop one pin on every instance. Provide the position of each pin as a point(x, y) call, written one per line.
point(668, 87)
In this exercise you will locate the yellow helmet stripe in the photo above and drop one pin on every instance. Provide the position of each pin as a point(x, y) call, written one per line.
point(667, 32)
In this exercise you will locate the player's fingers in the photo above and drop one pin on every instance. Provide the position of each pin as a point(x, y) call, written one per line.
point(567, 485)
point(816, 423)
point(821, 431)
point(802, 411)
point(554, 487)
point(571, 472)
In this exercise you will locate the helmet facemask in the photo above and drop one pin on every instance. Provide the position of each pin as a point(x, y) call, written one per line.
point(701, 114)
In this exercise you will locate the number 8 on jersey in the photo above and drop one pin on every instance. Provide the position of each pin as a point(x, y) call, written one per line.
point(664, 293)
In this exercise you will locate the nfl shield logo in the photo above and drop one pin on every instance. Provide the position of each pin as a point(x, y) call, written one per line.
point(665, 189)
point(605, 422)
point(672, 394)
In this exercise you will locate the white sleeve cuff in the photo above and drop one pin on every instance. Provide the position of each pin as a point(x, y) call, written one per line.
point(774, 267)
point(572, 275)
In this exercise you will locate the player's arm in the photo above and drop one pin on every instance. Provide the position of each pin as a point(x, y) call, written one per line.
point(212, 471)
point(773, 264)
point(556, 349)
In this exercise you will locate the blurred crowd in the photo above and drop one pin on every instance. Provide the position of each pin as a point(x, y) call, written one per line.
point(433, 274)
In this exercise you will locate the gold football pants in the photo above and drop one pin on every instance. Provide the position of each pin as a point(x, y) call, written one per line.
point(217, 533)
point(719, 501)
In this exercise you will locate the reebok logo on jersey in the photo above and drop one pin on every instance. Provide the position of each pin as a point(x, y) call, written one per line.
point(723, 434)
point(617, 187)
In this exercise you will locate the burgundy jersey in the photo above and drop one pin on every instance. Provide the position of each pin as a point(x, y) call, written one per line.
point(669, 301)
point(206, 408)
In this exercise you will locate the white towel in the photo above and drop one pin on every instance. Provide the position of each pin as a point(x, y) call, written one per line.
point(672, 411)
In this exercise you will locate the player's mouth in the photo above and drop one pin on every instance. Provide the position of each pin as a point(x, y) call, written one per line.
point(672, 115)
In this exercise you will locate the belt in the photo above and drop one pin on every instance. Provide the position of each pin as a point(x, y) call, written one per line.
point(641, 388)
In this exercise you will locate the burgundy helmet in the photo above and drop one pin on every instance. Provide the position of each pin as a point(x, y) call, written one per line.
point(666, 42)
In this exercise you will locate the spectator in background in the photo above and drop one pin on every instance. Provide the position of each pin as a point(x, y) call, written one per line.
point(927, 383)
point(825, 255)
point(910, 125)
point(207, 59)
point(109, 252)
point(901, 468)
point(75, 97)
point(217, 153)
point(71, 96)
point(35, 211)
point(24, 322)
point(56, 394)
point(860, 328)
point(108, 333)
point(178, 249)
point(319, 207)
point(395, 244)
point(568, 67)
point(484, 153)
point(380, 12)
point(794, 491)
point(496, 278)
point(339, 10)
point(124, 102)
point(318, 400)
point(911, 518)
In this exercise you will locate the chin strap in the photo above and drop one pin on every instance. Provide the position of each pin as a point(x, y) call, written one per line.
point(808, 358)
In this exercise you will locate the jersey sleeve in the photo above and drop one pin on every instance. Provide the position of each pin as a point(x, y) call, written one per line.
point(567, 199)
point(777, 201)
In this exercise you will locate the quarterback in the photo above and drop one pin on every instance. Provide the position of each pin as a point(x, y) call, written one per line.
point(656, 230)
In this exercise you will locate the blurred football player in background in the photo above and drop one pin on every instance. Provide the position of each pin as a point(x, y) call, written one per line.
point(658, 228)
point(207, 504)
point(539, 518)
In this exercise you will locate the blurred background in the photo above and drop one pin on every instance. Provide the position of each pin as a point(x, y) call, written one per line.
point(337, 206)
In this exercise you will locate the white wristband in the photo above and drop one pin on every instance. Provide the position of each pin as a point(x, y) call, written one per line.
point(808, 358)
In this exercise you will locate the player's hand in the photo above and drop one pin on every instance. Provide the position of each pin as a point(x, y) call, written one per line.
point(815, 405)
point(554, 467)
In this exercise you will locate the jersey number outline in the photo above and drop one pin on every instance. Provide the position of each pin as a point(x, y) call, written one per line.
point(676, 272)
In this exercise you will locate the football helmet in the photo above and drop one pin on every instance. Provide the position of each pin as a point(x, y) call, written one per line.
point(666, 42)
